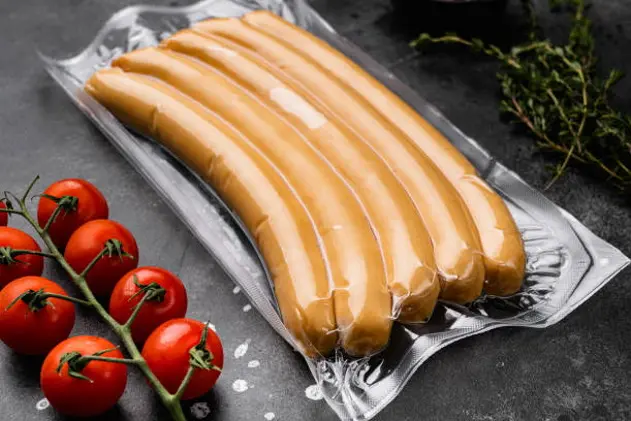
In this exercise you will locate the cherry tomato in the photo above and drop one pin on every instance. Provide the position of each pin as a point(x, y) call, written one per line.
point(168, 302)
point(167, 354)
point(89, 240)
point(34, 325)
point(81, 202)
point(24, 264)
point(81, 397)
point(4, 217)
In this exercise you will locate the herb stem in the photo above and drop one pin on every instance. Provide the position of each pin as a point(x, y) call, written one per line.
point(554, 91)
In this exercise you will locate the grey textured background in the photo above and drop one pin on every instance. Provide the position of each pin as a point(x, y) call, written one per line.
point(577, 370)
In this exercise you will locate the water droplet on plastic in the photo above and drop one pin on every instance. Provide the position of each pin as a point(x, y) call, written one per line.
point(269, 416)
point(254, 364)
point(236, 290)
point(247, 308)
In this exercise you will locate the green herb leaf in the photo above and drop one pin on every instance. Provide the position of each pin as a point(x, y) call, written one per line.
point(554, 92)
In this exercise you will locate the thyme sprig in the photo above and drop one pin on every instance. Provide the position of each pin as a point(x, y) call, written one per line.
point(554, 92)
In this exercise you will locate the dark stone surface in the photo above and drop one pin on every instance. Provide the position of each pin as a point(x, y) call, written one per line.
point(576, 370)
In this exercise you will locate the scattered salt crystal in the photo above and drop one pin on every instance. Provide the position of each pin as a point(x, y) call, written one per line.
point(43, 404)
point(240, 386)
point(313, 392)
point(242, 349)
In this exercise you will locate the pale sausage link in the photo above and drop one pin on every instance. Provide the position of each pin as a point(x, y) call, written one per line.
point(362, 301)
point(500, 238)
point(457, 249)
point(280, 224)
point(405, 243)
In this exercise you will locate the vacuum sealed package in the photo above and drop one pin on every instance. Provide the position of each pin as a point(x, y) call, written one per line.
point(367, 230)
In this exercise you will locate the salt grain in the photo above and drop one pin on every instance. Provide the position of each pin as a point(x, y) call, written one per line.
point(240, 386)
point(242, 349)
point(43, 404)
point(314, 393)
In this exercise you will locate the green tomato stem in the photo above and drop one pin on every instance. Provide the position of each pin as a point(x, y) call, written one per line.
point(175, 409)
point(27, 192)
point(8, 255)
point(171, 402)
point(34, 253)
point(185, 382)
point(67, 298)
point(11, 211)
point(37, 300)
point(137, 308)
point(90, 265)
point(127, 361)
point(62, 204)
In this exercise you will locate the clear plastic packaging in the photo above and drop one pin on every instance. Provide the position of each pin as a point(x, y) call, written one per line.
point(566, 263)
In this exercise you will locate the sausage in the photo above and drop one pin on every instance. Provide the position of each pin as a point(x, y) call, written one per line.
point(361, 298)
point(456, 246)
point(406, 246)
point(272, 212)
point(500, 238)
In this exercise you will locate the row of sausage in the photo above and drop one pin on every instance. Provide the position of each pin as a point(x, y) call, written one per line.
point(363, 212)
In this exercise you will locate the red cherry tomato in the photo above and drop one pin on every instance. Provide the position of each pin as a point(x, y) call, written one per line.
point(169, 303)
point(89, 205)
point(167, 354)
point(4, 217)
point(80, 397)
point(24, 264)
point(36, 328)
point(88, 241)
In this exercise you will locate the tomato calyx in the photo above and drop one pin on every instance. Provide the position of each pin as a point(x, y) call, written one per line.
point(77, 362)
point(114, 248)
point(111, 248)
point(8, 205)
point(200, 357)
point(75, 365)
point(152, 291)
point(65, 204)
point(8, 255)
point(38, 300)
